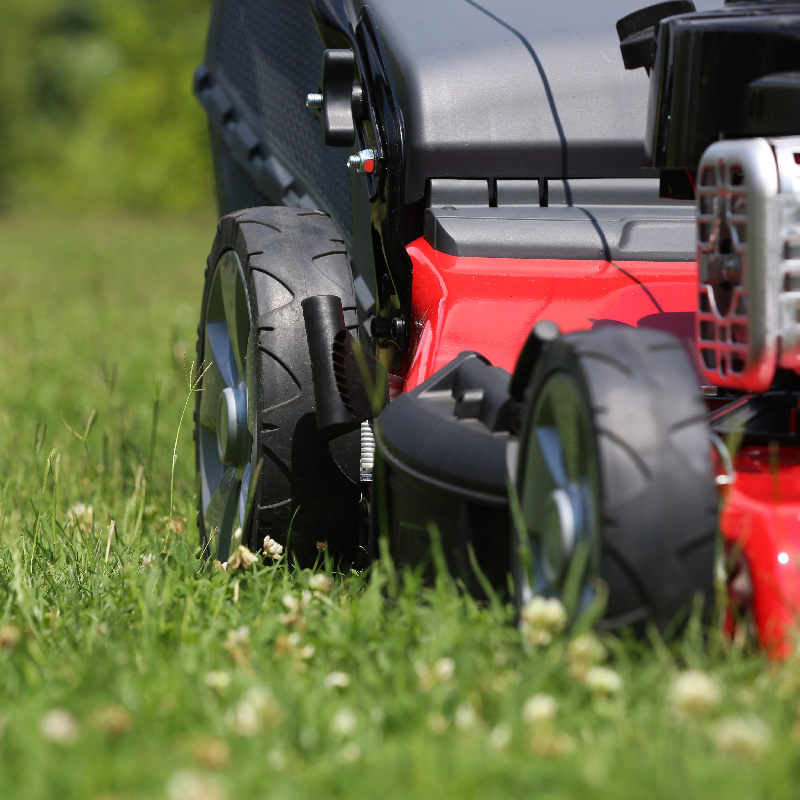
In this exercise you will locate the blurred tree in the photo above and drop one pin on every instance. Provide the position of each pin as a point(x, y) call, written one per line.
point(96, 106)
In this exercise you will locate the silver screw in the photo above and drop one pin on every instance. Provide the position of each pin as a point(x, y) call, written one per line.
point(363, 161)
point(314, 101)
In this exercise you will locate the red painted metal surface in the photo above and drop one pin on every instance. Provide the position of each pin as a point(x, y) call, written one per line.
point(760, 516)
point(489, 305)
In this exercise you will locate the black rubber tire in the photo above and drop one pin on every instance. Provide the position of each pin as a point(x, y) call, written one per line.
point(653, 495)
point(306, 484)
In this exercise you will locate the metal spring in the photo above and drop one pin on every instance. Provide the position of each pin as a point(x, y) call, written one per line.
point(367, 452)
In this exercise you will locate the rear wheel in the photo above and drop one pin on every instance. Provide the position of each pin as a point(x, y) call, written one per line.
point(262, 469)
point(614, 468)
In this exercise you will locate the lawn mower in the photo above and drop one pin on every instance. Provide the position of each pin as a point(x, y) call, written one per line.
point(449, 315)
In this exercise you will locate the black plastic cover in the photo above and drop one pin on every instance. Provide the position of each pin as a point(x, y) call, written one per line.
point(448, 436)
point(637, 31)
point(773, 107)
point(513, 88)
point(705, 67)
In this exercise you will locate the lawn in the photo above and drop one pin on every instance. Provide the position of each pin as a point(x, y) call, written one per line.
point(130, 669)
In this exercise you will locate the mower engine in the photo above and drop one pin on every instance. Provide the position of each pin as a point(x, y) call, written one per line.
point(748, 258)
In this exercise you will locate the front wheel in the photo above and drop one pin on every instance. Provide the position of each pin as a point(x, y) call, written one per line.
point(262, 468)
point(614, 469)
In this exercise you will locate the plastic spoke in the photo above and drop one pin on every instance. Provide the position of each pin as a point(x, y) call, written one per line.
point(219, 350)
point(220, 513)
point(237, 315)
point(551, 448)
point(213, 384)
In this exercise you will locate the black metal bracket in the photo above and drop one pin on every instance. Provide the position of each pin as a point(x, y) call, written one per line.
point(381, 130)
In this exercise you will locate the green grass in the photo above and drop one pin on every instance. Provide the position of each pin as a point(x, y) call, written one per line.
point(183, 681)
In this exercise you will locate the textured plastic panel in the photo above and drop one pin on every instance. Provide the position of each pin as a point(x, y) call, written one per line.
point(266, 54)
point(514, 88)
point(235, 188)
point(610, 233)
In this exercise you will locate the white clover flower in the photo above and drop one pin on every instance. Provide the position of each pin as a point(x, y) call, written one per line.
point(291, 602)
point(262, 700)
point(242, 558)
point(296, 608)
point(82, 515)
point(217, 679)
point(441, 672)
point(694, 693)
point(584, 652)
point(747, 737)
point(499, 737)
point(336, 680)
point(343, 723)
point(237, 638)
point(272, 549)
point(539, 709)
point(243, 719)
point(603, 681)
point(465, 717)
point(319, 582)
point(186, 785)
point(444, 669)
point(59, 726)
point(295, 647)
point(148, 560)
point(541, 618)
point(350, 753)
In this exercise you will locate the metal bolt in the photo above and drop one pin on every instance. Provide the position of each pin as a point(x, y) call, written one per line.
point(314, 101)
point(398, 327)
point(363, 161)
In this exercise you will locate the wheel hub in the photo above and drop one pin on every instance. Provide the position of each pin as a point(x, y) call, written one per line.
point(233, 438)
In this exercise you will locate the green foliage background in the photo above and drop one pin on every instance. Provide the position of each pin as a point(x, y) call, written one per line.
point(96, 105)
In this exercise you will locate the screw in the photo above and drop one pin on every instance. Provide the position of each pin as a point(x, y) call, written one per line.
point(363, 161)
point(314, 102)
point(398, 327)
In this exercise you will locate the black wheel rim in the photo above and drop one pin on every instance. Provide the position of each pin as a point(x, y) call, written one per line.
point(559, 490)
point(226, 412)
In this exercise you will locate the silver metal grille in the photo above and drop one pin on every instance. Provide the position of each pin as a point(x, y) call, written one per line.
point(738, 330)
